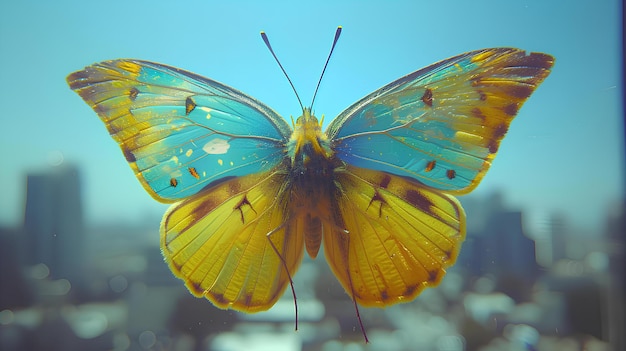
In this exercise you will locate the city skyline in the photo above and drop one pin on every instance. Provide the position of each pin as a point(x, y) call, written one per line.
point(127, 296)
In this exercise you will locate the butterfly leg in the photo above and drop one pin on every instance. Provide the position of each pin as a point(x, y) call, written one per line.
point(284, 263)
point(343, 243)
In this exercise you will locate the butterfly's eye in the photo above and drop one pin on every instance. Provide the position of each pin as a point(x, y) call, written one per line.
point(300, 121)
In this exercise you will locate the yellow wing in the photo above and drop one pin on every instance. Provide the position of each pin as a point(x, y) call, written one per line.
point(391, 236)
point(218, 242)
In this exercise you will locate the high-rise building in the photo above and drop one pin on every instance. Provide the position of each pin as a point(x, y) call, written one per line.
point(14, 290)
point(53, 223)
point(496, 242)
point(551, 238)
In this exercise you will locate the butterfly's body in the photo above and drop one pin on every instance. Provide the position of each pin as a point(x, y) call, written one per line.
point(250, 194)
point(311, 185)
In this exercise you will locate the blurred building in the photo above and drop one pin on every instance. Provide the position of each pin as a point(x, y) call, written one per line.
point(552, 240)
point(616, 227)
point(496, 242)
point(497, 245)
point(14, 290)
point(53, 232)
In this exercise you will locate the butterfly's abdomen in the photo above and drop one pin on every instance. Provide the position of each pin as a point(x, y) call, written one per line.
point(312, 165)
point(310, 201)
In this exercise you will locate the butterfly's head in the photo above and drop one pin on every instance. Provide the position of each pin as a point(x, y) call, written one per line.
point(307, 140)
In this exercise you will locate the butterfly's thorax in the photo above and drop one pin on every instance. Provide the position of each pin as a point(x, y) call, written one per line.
point(311, 175)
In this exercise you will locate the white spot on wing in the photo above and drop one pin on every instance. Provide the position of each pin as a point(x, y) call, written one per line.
point(216, 146)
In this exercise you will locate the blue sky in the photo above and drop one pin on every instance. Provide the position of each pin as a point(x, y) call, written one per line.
point(564, 152)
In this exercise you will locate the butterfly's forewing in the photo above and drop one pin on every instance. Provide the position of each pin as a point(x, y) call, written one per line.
point(180, 132)
point(441, 125)
point(219, 242)
point(391, 236)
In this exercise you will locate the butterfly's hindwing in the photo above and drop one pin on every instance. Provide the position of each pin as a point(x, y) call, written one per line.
point(441, 125)
point(219, 242)
point(391, 236)
point(168, 122)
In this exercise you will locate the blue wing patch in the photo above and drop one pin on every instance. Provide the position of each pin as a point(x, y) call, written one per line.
point(181, 132)
point(441, 125)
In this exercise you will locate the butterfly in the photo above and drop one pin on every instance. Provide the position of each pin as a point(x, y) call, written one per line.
point(250, 192)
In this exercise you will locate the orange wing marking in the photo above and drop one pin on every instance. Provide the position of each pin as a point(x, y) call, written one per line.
point(193, 172)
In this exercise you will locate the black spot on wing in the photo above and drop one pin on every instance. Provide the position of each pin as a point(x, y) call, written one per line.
point(427, 98)
point(130, 157)
point(511, 109)
point(378, 198)
point(193, 172)
point(239, 206)
point(430, 166)
point(190, 105)
point(384, 183)
point(418, 200)
point(132, 94)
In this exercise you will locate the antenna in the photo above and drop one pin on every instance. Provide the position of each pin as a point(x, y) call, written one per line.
point(337, 34)
point(267, 43)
